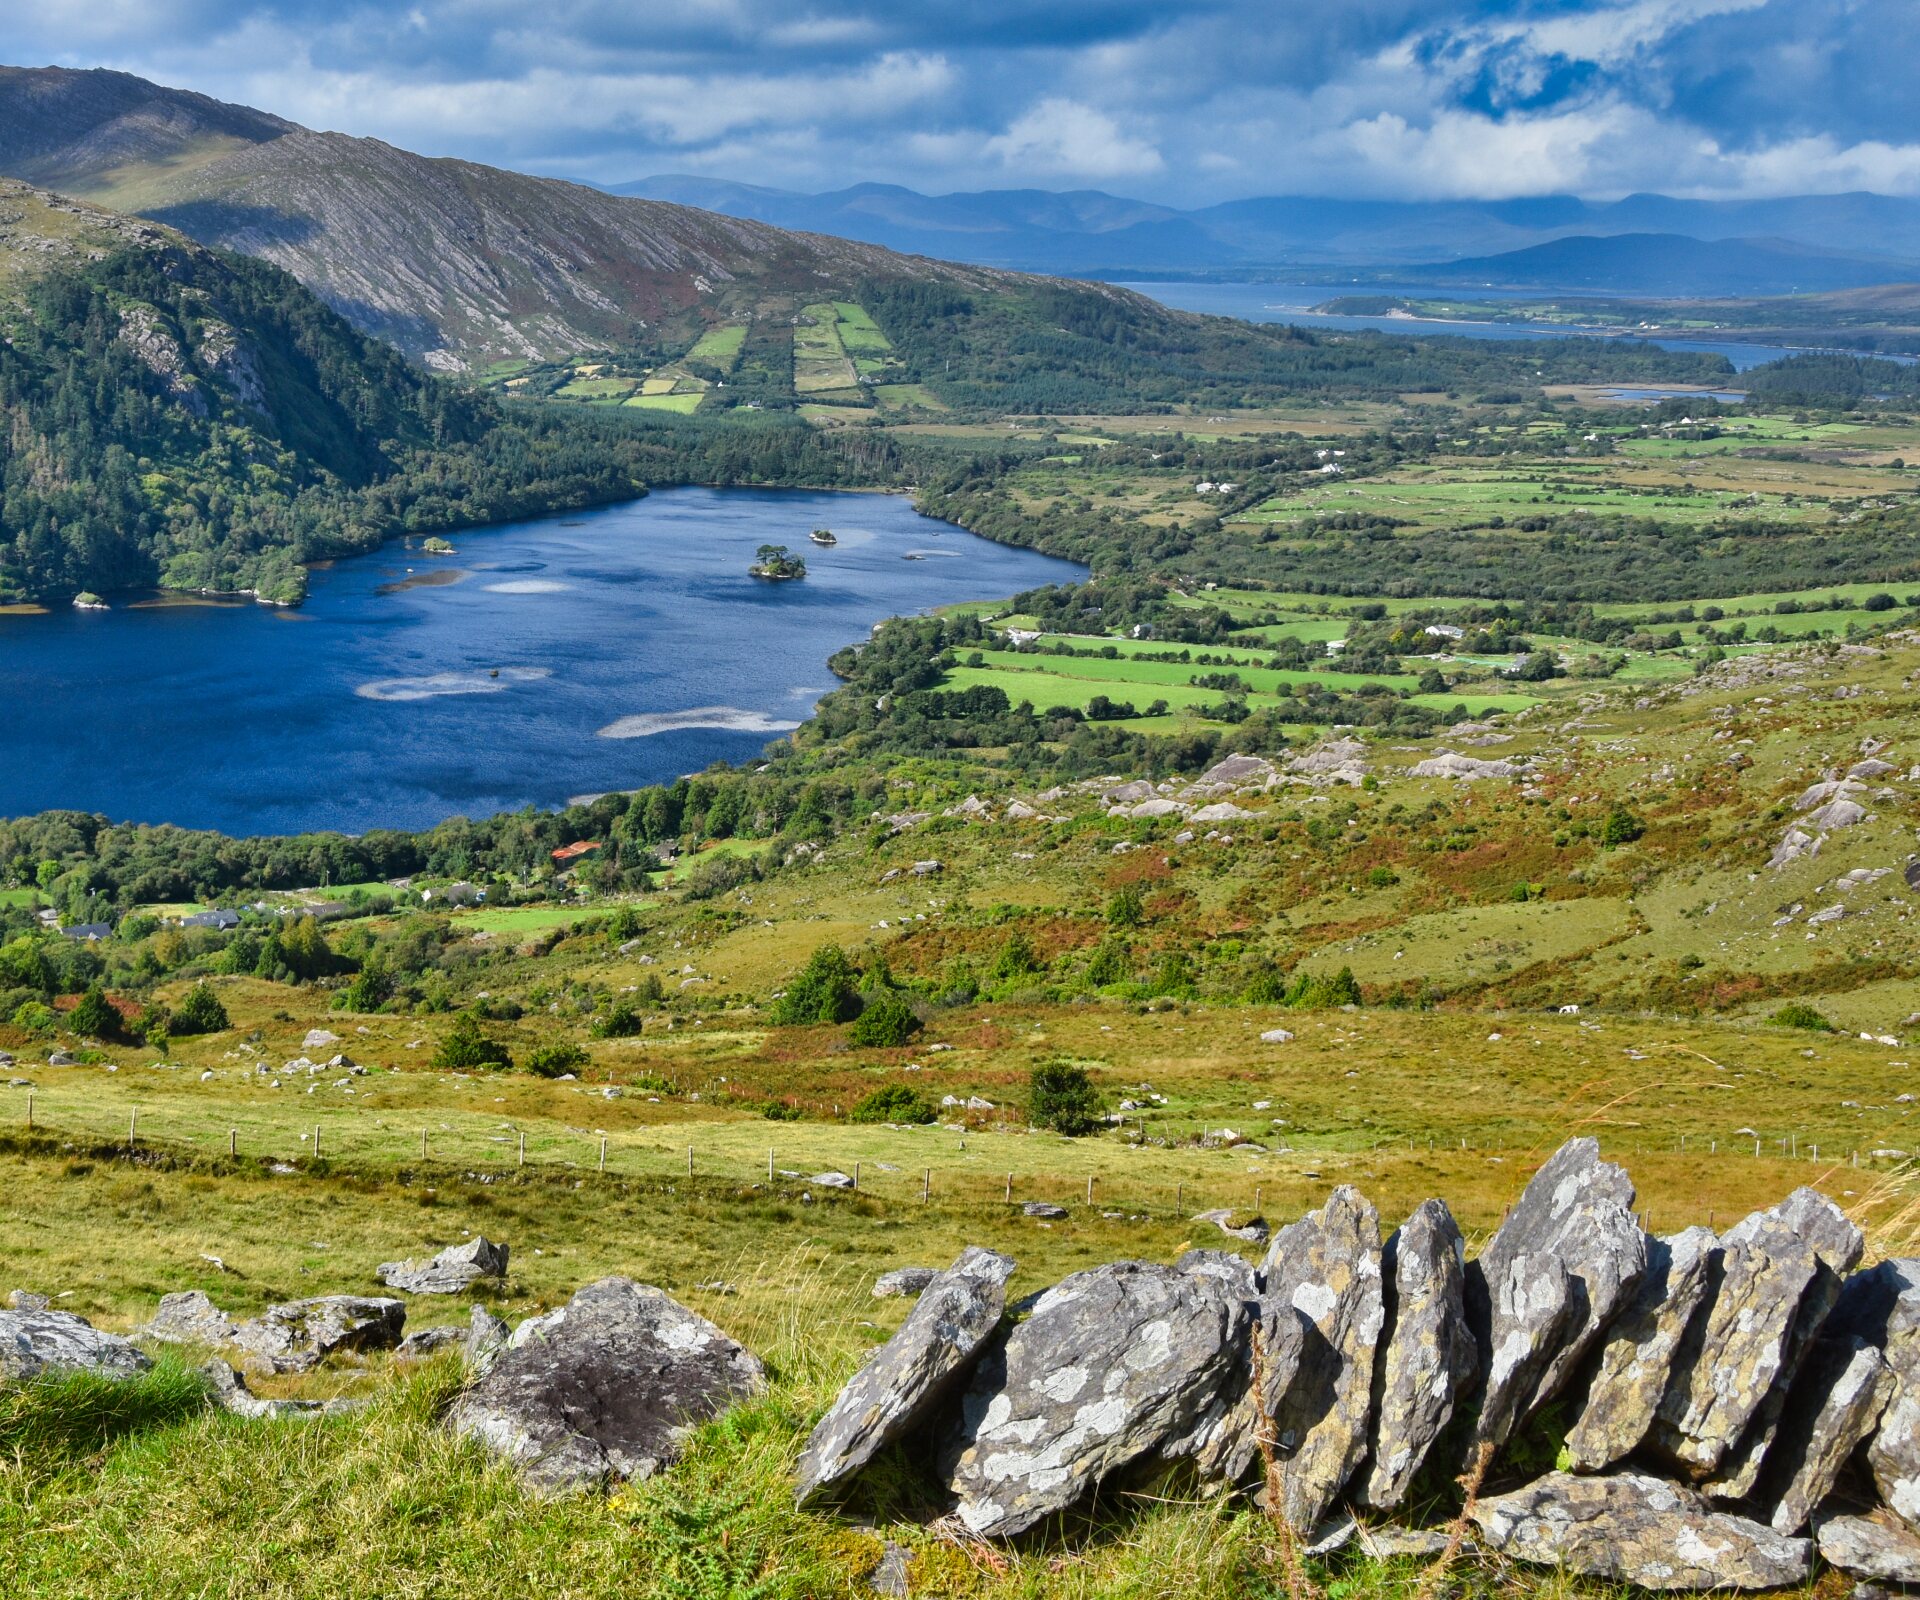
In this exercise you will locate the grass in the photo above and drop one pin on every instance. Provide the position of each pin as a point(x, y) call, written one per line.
point(720, 347)
point(685, 404)
point(521, 919)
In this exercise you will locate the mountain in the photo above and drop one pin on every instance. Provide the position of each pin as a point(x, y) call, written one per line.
point(456, 263)
point(1088, 231)
point(173, 416)
point(1661, 264)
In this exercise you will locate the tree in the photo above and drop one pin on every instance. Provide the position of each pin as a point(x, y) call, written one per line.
point(1062, 1097)
point(557, 1060)
point(886, 1022)
point(1434, 681)
point(1125, 908)
point(200, 1011)
point(94, 1017)
point(1015, 959)
point(822, 991)
point(467, 1049)
point(1798, 1014)
point(1111, 963)
point(618, 1021)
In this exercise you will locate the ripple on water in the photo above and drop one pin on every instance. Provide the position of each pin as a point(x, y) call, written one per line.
point(432, 685)
point(529, 586)
point(730, 718)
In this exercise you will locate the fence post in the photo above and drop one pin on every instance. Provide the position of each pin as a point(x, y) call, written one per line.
point(423, 1144)
point(523, 1147)
point(689, 1161)
point(316, 1141)
point(1089, 1188)
point(1009, 1188)
point(133, 1127)
point(603, 1152)
point(1180, 1197)
point(769, 1166)
point(29, 1111)
point(856, 1174)
point(926, 1185)
point(233, 1141)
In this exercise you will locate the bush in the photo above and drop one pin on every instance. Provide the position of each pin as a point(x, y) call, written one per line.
point(1015, 959)
point(200, 1012)
point(34, 1016)
point(1112, 963)
point(822, 991)
point(154, 1025)
point(467, 1049)
point(1621, 827)
point(94, 1017)
point(557, 1060)
point(1124, 908)
point(1310, 992)
point(1063, 1098)
point(1798, 1014)
point(895, 1103)
point(1268, 987)
point(618, 1021)
point(887, 1021)
point(1382, 878)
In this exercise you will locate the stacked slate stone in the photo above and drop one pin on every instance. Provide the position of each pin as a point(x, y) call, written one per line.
point(1735, 1400)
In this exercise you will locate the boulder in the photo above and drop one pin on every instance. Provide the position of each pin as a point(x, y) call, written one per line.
point(903, 1282)
point(891, 1577)
point(1638, 1353)
point(1575, 1223)
point(37, 1344)
point(423, 1342)
point(1276, 1036)
point(1836, 1399)
point(1253, 1229)
point(1220, 811)
point(1113, 1364)
point(1878, 1546)
point(487, 1336)
point(906, 1379)
point(188, 1317)
point(1779, 1275)
point(1043, 1208)
point(1882, 1306)
point(1324, 1272)
point(454, 1270)
point(1426, 1353)
point(831, 1180)
point(604, 1387)
point(228, 1390)
point(27, 1300)
point(1641, 1530)
point(1238, 770)
point(298, 1336)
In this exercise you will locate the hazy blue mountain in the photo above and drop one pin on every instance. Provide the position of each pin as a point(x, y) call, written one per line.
point(1663, 264)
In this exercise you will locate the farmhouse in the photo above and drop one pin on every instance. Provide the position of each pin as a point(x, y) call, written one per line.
point(221, 918)
point(89, 931)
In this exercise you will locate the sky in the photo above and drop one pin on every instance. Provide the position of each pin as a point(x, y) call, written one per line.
point(1183, 102)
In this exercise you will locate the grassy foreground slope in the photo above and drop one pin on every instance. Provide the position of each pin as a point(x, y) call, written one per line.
point(1149, 959)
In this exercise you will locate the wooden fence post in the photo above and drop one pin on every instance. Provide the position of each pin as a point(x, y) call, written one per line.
point(1089, 1188)
point(233, 1141)
point(926, 1185)
point(603, 1152)
point(133, 1127)
point(523, 1147)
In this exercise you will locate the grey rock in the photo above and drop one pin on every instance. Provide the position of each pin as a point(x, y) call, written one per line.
point(26, 1300)
point(1324, 1271)
point(1577, 1212)
point(1882, 1306)
point(831, 1180)
point(1778, 1274)
point(188, 1317)
point(1877, 1546)
point(228, 1390)
point(890, 1577)
point(424, 1342)
point(1400, 1544)
point(35, 1344)
point(1642, 1530)
point(1638, 1353)
point(1426, 1351)
point(487, 1336)
point(903, 1282)
point(298, 1336)
point(604, 1387)
point(1113, 1363)
point(1254, 1230)
point(1043, 1208)
point(1836, 1399)
point(1221, 1443)
point(1336, 1533)
point(454, 1270)
point(906, 1379)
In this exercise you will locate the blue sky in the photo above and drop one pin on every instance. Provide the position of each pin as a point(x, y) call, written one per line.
point(1184, 103)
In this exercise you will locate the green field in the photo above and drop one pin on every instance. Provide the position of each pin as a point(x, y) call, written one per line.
point(720, 347)
point(685, 404)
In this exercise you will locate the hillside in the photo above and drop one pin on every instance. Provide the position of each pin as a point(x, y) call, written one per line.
point(201, 421)
point(1666, 264)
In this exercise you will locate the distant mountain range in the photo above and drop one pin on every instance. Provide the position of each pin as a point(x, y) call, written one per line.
point(1802, 242)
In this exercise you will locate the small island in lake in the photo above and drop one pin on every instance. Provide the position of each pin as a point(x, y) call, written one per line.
point(87, 600)
point(437, 546)
point(778, 562)
point(823, 536)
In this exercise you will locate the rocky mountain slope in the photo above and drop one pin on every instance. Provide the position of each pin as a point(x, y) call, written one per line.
point(458, 264)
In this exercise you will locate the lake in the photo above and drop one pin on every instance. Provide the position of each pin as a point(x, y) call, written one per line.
point(567, 655)
point(1288, 302)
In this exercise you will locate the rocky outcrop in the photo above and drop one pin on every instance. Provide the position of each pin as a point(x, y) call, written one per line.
point(907, 1377)
point(36, 1344)
point(1426, 1353)
point(298, 1336)
point(1882, 1307)
point(1833, 1405)
point(604, 1387)
point(188, 1317)
point(1562, 1266)
point(1637, 1358)
point(1325, 1271)
point(1113, 1363)
point(454, 1270)
point(1878, 1546)
point(903, 1282)
point(1639, 1530)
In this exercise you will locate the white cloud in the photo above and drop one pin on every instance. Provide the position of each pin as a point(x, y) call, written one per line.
point(1065, 138)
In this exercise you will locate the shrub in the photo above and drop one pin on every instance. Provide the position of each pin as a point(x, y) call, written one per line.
point(200, 1012)
point(154, 1025)
point(1111, 963)
point(1124, 908)
point(1268, 988)
point(1311, 992)
point(1062, 1097)
point(887, 1021)
point(895, 1103)
point(822, 991)
point(466, 1048)
point(557, 1060)
point(618, 1021)
point(1621, 827)
point(1015, 959)
point(1798, 1014)
point(94, 1017)
point(34, 1016)
point(1382, 878)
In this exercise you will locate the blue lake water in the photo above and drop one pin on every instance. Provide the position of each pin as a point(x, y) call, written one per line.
point(629, 642)
point(1289, 302)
